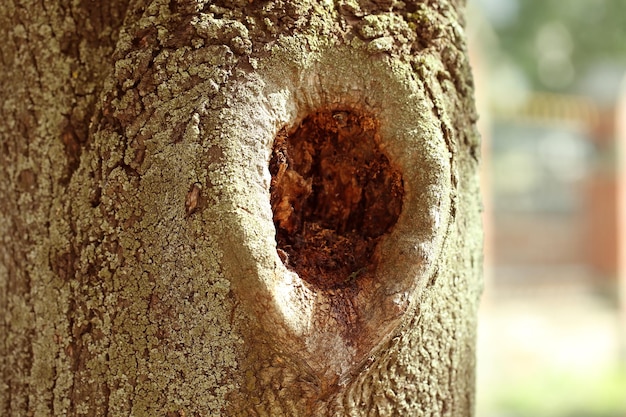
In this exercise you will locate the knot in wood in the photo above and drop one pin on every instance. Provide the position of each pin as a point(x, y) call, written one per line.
point(334, 194)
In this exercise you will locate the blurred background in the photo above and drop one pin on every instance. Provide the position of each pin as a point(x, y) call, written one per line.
point(551, 91)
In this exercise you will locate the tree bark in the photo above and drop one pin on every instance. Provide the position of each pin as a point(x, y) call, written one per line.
point(159, 258)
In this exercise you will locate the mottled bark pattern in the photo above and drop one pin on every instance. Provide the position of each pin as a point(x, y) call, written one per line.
point(139, 274)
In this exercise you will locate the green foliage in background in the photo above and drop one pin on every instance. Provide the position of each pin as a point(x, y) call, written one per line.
point(559, 45)
point(563, 395)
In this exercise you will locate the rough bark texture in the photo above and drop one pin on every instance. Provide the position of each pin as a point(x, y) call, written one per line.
point(139, 268)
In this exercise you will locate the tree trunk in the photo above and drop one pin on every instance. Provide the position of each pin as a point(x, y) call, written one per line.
point(237, 207)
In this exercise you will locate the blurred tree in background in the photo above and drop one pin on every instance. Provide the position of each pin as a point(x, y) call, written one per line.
point(576, 46)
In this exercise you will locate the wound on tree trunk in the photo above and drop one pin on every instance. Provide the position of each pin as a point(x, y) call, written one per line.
point(334, 195)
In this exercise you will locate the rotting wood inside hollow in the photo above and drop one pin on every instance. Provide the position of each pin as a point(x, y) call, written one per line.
point(334, 194)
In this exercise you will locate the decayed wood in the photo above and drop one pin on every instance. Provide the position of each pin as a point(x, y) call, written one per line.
point(140, 272)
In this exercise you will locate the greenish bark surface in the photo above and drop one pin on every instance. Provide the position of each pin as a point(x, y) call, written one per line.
point(139, 273)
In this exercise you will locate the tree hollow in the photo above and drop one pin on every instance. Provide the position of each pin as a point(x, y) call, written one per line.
point(334, 195)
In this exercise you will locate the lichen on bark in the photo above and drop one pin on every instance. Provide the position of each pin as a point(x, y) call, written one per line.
point(139, 272)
